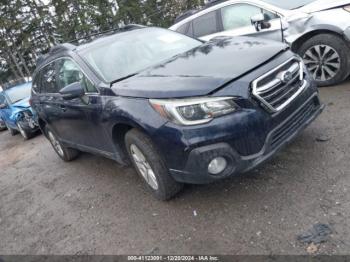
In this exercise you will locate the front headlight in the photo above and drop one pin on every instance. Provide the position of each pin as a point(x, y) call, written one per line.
point(194, 111)
point(347, 8)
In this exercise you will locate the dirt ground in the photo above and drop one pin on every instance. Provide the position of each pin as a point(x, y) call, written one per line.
point(94, 206)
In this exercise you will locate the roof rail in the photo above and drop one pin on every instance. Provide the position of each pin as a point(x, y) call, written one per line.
point(69, 46)
point(62, 47)
point(111, 31)
point(214, 2)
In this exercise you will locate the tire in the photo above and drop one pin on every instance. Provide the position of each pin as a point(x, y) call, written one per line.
point(65, 153)
point(25, 134)
point(326, 46)
point(13, 132)
point(166, 187)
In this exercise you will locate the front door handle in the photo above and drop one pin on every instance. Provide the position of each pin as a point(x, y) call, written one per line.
point(63, 108)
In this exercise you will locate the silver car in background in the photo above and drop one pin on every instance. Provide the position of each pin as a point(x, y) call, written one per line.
point(318, 30)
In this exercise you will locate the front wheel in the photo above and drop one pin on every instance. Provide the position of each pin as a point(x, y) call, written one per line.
point(327, 57)
point(25, 134)
point(65, 153)
point(150, 165)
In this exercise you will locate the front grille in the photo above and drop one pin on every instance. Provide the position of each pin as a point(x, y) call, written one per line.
point(277, 88)
point(293, 124)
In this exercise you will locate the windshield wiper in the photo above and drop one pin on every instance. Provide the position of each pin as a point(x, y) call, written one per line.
point(17, 101)
point(123, 78)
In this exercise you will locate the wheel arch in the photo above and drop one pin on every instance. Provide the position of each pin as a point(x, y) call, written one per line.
point(119, 131)
point(296, 45)
point(42, 125)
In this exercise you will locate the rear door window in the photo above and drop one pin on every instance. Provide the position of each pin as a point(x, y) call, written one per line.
point(205, 25)
point(48, 79)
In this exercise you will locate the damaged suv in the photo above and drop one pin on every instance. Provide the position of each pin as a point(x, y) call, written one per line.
point(180, 110)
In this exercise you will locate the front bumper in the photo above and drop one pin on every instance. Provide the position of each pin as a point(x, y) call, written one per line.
point(27, 120)
point(196, 169)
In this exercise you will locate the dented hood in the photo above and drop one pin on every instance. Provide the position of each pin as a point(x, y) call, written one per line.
point(202, 70)
point(321, 5)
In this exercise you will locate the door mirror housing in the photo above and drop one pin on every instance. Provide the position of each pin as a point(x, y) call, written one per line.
point(3, 106)
point(260, 21)
point(74, 90)
point(258, 18)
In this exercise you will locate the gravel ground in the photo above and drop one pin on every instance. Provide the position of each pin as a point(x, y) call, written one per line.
point(94, 206)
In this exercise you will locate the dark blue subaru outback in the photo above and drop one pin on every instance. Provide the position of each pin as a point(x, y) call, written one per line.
point(180, 110)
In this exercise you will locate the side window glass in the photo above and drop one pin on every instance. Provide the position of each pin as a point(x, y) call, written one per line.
point(239, 15)
point(183, 29)
point(205, 25)
point(270, 15)
point(69, 73)
point(48, 79)
point(35, 85)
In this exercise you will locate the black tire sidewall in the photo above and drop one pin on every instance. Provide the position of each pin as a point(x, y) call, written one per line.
point(340, 46)
point(69, 154)
point(27, 134)
point(167, 186)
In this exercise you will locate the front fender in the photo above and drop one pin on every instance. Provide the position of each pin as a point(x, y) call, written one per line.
point(302, 24)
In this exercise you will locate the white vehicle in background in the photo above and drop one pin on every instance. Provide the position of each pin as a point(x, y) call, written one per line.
point(318, 30)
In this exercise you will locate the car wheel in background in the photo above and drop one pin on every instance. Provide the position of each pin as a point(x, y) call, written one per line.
point(3, 127)
point(13, 132)
point(327, 57)
point(65, 153)
point(25, 134)
point(150, 165)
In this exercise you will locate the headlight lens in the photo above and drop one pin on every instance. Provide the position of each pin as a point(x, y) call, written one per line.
point(194, 111)
point(347, 8)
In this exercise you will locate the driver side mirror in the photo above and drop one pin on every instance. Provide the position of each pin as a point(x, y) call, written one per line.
point(260, 21)
point(74, 90)
point(3, 106)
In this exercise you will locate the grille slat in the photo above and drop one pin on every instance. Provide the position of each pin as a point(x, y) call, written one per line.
point(292, 124)
point(279, 87)
point(285, 95)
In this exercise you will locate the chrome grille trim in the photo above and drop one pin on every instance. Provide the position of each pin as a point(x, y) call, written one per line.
point(282, 92)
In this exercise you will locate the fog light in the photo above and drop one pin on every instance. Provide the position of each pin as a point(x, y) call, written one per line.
point(217, 165)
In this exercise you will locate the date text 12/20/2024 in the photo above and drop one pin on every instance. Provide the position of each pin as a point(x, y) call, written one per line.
point(173, 258)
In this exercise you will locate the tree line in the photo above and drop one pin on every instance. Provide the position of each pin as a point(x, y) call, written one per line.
point(29, 28)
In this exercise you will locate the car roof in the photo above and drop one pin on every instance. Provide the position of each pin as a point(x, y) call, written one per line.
point(81, 43)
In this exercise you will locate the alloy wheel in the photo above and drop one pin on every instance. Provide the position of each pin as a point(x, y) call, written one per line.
point(55, 144)
point(144, 167)
point(323, 61)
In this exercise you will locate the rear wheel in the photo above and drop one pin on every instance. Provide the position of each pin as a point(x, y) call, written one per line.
point(65, 153)
point(327, 57)
point(150, 165)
